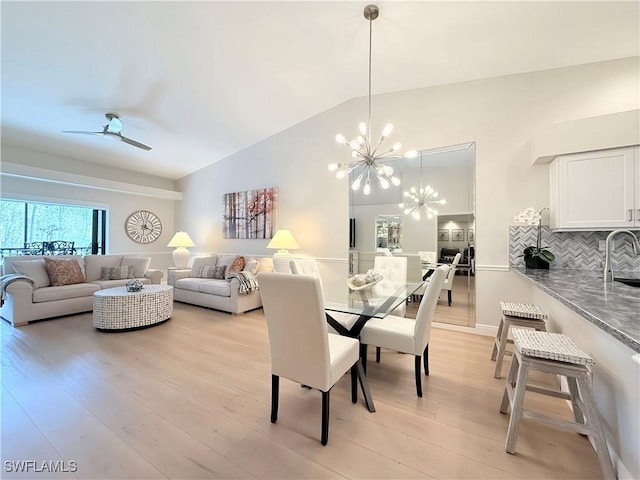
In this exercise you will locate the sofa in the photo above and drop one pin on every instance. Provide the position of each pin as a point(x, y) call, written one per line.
point(50, 287)
point(199, 284)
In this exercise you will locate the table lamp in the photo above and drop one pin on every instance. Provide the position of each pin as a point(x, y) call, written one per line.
point(181, 255)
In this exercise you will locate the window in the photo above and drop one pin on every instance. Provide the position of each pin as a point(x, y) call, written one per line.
point(26, 223)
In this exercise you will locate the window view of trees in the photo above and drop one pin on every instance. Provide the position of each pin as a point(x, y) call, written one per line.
point(26, 222)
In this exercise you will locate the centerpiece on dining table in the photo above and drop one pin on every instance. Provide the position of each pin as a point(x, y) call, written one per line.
point(362, 281)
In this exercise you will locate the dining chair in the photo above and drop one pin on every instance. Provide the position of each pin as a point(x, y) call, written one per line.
point(405, 334)
point(394, 274)
point(448, 282)
point(309, 266)
point(302, 349)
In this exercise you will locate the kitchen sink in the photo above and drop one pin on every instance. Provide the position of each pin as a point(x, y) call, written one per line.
point(632, 282)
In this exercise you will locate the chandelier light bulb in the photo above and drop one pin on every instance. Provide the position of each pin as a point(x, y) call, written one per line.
point(333, 167)
point(367, 187)
point(401, 205)
point(362, 126)
point(395, 181)
point(341, 173)
point(384, 183)
point(340, 139)
point(416, 214)
point(356, 183)
point(388, 128)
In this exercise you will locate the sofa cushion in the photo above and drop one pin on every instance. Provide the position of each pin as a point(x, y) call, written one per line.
point(118, 283)
point(252, 265)
point(117, 273)
point(36, 270)
point(212, 272)
point(199, 262)
point(65, 292)
point(93, 265)
point(191, 283)
point(221, 288)
point(226, 260)
point(140, 264)
point(265, 264)
point(63, 271)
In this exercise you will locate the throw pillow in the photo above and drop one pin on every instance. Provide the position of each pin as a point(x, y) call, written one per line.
point(199, 262)
point(237, 265)
point(63, 271)
point(265, 264)
point(252, 265)
point(34, 269)
point(140, 265)
point(117, 273)
point(212, 272)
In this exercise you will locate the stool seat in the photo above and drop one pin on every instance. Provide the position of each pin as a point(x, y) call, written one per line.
point(552, 346)
point(557, 354)
point(515, 315)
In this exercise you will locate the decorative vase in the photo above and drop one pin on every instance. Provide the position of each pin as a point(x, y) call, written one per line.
point(536, 262)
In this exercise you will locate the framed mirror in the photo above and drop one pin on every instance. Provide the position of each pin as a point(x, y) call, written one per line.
point(451, 172)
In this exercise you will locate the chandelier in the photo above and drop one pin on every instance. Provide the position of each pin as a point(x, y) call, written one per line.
point(420, 200)
point(367, 157)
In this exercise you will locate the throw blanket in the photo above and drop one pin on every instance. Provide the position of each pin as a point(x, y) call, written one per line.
point(248, 282)
point(6, 280)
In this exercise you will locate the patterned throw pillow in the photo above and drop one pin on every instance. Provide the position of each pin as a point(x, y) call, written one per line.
point(212, 272)
point(117, 273)
point(63, 271)
point(237, 265)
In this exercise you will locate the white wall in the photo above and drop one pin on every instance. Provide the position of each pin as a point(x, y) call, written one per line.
point(500, 114)
point(118, 204)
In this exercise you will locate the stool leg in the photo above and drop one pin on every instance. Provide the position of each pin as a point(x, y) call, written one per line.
point(575, 394)
point(504, 334)
point(598, 434)
point(516, 408)
point(511, 380)
point(495, 343)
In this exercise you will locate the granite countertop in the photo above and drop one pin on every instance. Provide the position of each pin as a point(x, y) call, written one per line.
point(614, 307)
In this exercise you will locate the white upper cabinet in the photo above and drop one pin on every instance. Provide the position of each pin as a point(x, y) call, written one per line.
point(596, 190)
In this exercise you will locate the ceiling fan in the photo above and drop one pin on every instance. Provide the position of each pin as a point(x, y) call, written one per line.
point(113, 128)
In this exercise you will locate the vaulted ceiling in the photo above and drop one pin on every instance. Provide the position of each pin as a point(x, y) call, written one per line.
point(198, 81)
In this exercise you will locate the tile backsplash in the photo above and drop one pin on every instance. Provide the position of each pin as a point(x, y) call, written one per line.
point(579, 250)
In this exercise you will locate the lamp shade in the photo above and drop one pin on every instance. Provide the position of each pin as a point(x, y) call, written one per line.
point(181, 239)
point(283, 240)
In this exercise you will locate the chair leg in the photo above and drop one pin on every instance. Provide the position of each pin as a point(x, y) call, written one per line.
point(494, 352)
point(363, 356)
point(449, 295)
point(377, 354)
point(418, 375)
point(504, 335)
point(325, 418)
point(354, 383)
point(275, 390)
point(425, 359)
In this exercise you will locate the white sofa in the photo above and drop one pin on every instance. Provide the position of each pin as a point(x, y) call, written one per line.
point(219, 294)
point(25, 301)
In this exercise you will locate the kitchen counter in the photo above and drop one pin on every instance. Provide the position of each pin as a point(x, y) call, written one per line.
point(614, 307)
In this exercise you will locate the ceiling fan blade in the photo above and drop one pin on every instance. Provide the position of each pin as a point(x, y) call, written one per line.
point(82, 132)
point(133, 142)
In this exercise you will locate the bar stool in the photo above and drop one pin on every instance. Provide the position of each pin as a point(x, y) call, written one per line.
point(515, 315)
point(557, 354)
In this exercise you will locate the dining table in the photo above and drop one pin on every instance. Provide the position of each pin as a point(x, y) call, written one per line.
point(376, 301)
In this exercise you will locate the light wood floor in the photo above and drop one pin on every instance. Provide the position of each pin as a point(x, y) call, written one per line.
point(190, 399)
point(462, 309)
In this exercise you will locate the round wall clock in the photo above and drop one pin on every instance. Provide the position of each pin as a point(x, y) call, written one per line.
point(143, 226)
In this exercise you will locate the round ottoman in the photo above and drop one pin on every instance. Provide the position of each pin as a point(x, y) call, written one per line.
point(115, 309)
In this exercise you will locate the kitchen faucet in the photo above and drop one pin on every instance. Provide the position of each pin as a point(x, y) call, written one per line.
point(608, 268)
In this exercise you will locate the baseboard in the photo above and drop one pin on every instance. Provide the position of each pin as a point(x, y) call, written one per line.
point(479, 329)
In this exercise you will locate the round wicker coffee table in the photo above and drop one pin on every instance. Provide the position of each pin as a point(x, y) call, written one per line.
point(115, 309)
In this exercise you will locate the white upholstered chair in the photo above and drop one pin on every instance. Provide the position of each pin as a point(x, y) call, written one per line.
point(309, 266)
point(448, 282)
point(394, 274)
point(405, 334)
point(302, 350)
